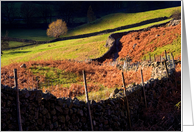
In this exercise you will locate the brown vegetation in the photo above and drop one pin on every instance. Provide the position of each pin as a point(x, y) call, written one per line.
point(147, 41)
point(57, 28)
point(108, 76)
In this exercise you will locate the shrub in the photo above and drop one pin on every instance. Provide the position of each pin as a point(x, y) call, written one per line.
point(57, 28)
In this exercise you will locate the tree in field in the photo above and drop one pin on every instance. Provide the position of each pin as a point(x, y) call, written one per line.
point(4, 42)
point(57, 28)
point(90, 14)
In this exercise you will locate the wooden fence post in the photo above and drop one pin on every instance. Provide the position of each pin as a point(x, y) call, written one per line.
point(165, 54)
point(168, 57)
point(86, 92)
point(166, 68)
point(150, 57)
point(18, 102)
point(128, 111)
point(173, 60)
point(143, 89)
point(174, 69)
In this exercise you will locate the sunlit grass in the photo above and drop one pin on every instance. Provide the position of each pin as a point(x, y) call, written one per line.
point(121, 19)
point(80, 49)
point(102, 94)
point(54, 76)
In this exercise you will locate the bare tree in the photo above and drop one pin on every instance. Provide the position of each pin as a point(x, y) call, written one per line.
point(4, 42)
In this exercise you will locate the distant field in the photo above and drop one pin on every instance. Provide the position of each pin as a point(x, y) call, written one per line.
point(121, 19)
point(107, 22)
point(79, 49)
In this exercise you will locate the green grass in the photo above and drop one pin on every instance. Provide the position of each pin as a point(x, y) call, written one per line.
point(79, 49)
point(16, 44)
point(32, 34)
point(54, 76)
point(121, 19)
point(143, 26)
point(102, 94)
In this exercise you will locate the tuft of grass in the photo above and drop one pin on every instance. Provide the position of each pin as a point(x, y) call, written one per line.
point(178, 105)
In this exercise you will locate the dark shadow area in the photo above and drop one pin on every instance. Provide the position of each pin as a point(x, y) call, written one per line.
point(19, 52)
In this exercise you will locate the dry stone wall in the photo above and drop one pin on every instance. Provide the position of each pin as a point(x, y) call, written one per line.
point(43, 111)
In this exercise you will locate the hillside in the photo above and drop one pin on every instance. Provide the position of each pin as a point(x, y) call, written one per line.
point(57, 67)
point(152, 41)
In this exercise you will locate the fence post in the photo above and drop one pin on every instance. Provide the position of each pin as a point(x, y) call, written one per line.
point(9, 79)
point(143, 89)
point(165, 54)
point(128, 111)
point(160, 58)
point(150, 57)
point(137, 67)
point(166, 68)
point(18, 102)
point(86, 92)
point(168, 57)
point(4, 78)
point(173, 60)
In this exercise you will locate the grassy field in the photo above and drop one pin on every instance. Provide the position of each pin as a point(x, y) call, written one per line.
point(79, 49)
point(121, 19)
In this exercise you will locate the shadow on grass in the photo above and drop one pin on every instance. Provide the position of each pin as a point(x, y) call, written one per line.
point(18, 52)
